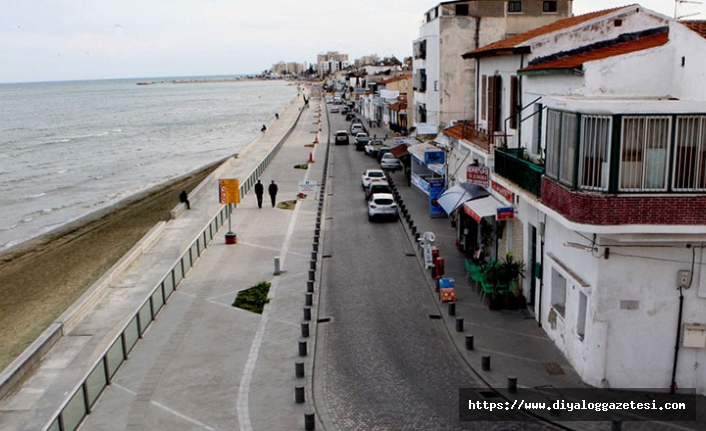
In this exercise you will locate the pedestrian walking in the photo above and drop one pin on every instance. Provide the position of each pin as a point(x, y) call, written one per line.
point(184, 198)
point(276, 115)
point(259, 191)
point(272, 190)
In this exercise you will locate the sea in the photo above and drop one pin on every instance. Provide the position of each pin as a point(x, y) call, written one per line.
point(68, 149)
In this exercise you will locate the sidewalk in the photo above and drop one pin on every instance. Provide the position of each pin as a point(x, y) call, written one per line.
point(516, 345)
point(202, 363)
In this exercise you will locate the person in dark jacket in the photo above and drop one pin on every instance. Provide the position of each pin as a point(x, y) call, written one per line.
point(273, 192)
point(184, 198)
point(259, 191)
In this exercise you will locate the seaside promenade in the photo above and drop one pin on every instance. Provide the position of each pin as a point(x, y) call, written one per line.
point(201, 363)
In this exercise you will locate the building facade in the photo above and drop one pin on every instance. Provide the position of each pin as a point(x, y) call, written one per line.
point(443, 82)
point(605, 170)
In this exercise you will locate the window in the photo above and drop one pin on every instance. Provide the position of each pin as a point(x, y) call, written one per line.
point(558, 292)
point(514, 6)
point(595, 150)
point(462, 9)
point(494, 104)
point(420, 80)
point(420, 49)
point(690, 153)
point(515, 103)
point(422, 113)
point(549, 6)
point(561, 145)
point(644, 153)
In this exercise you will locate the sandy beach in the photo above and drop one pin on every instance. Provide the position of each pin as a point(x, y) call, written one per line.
point(41, 278)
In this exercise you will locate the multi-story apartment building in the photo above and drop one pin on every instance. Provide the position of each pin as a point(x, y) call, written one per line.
point(443, 82)
point(605, 172)
point(331, 62)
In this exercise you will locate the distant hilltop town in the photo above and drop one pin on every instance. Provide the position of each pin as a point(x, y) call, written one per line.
point(332, 62)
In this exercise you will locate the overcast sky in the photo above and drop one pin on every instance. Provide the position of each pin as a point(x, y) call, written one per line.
point(50, 40)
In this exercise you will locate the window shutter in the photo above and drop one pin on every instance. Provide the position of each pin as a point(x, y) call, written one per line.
point(514, 84)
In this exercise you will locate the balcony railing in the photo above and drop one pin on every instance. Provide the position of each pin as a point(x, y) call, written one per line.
point(510, 164)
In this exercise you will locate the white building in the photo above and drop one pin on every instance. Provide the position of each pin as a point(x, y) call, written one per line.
point(331, 62)
point(443, 81)
point(604, 116)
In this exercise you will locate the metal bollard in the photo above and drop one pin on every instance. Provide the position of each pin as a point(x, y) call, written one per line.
point(313, 255)
point(277, 269)
point(414, 229)
point(512, 384)
point(310, 286)
point(305, 329)
point(309, 299)
point(312, 264)
point(309, 422)
point(317, 230)
point(302, 348)
point(299, 394)
point(452, 308)
point(315, 246)
point(485, 362)
point(299, 369)
point(312, 276)
point(469, 342)
point(459, 324)
point(307, 313)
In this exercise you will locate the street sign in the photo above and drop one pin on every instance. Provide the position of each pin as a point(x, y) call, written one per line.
point(229, 191)
point(307, 187)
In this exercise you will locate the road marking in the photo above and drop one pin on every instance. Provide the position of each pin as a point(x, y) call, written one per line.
point(167, 409)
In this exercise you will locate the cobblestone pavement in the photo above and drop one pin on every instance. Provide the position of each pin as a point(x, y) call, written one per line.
point(387, 365)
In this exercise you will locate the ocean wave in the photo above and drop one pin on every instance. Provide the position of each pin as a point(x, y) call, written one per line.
point(34, 196)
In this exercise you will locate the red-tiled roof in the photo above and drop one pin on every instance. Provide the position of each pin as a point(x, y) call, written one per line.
point(395, 78)
point(578, 60)
point(513, 41)
point(697, 26)
point(457, 131)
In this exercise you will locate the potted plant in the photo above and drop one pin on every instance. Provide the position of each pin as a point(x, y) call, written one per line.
point(511, 272)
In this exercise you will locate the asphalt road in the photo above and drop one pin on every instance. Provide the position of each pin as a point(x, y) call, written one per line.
point(382, 361)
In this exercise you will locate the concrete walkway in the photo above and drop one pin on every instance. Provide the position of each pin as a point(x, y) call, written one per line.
point(202, 363)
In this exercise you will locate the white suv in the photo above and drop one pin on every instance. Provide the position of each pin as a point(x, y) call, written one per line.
point(370, 175)
point(382, 205)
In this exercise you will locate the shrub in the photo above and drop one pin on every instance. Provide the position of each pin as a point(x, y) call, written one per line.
point(254, 298)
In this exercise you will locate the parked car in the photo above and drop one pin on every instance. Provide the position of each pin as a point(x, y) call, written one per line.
point(381, 152)
point(377, 187)
point(372, 148)
point(350, 116)
point(382, 205)
point(361, 142)
point(357, 128)
point(344, 110)
point(371, 174)
point(390, 162)
point(335, 109)
point(341, 138)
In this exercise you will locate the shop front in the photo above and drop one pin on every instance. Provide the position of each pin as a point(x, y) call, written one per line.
point(478, 228)
point(427, 164)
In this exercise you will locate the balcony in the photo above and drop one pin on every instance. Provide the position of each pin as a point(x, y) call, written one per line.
point(510, 164)
point(466, 130)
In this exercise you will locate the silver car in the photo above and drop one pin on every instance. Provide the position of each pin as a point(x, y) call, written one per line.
point(390, 162)
point(382, 205)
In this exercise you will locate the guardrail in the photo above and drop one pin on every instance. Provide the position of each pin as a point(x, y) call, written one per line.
point(85, 394)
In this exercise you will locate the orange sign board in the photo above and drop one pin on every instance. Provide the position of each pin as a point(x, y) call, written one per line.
point(229, 191)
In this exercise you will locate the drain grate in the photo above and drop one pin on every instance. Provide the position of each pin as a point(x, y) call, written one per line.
point(410, 254)
point(323, 320)
point(553, 369)
point(435, 316)
point(326, 256)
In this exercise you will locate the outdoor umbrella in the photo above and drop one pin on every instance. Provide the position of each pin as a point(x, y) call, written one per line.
point(457, 195)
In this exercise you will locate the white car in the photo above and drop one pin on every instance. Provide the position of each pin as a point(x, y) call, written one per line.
point(370, 175)
point(335, 109)
point(357, 128)
point(382, 205)
point(372, 148)
point(390, 162)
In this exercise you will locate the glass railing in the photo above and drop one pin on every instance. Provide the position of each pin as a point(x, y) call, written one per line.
point(510, 164)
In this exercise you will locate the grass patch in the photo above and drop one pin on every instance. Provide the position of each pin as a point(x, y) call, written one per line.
point(286, 205)
point(254, 298)
point(301, 166)
point(310, 145)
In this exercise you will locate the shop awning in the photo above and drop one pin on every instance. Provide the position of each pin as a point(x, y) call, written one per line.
point(457, 195)
point(399, 150)
point(482, 207)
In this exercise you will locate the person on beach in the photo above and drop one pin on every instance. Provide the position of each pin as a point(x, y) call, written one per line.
point(184, 198)
point(259, 191)
point(276, 115)
point(272, 190)
point(264, 129)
